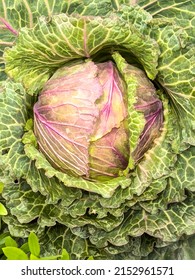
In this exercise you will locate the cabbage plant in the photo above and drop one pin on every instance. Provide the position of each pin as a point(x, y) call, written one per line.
point(97, 126)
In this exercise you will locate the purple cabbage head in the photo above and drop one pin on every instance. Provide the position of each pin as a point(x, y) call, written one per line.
point(81, 120)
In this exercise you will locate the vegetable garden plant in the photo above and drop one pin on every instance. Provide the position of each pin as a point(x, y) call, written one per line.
point(97, 127)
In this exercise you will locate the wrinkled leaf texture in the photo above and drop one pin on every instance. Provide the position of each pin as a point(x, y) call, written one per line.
point(150, 214)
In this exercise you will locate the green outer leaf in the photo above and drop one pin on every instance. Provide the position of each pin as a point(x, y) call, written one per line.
point(181, 250)
point(52, 43)
point(13, 253)
point(28, 206)
point(181, 12)
point(33, 244)
point(181, 179)
point(176, 75)
point(184, 174)
point(106, 189)
point(55, 239)
point(158, 161)
point(173, 27)
point(14, 110)
point(136, 120)
point(20, 230)
point(168, 225)
point(19, 14)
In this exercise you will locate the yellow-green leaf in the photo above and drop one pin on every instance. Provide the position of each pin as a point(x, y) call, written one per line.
point(10, 242)
point(3, 210)
point(13, 253)
point(33, 243)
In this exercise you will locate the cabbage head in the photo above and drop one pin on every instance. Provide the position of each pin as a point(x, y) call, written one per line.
point(97, 121)
point(81, 119)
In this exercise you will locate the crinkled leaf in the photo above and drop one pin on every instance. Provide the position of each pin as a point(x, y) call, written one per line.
point(20, 230)
point(28, 206)
point(145, 112)
point(16, 14)
point(156, 204)
point(55, 239)
point(106, 189)
point(181, 12)
point(173, 27)
point(63, 41)
point(168, 225)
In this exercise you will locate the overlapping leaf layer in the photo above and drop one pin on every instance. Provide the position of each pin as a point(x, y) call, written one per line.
point(148, 212)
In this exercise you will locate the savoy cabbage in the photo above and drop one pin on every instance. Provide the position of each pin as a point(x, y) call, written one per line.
point(145, 207)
